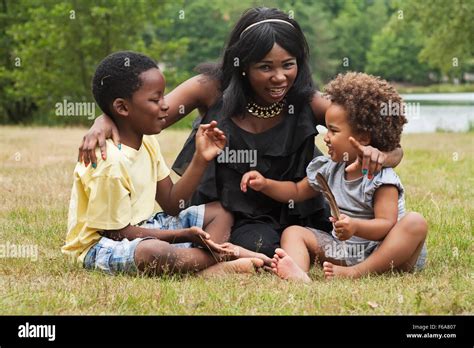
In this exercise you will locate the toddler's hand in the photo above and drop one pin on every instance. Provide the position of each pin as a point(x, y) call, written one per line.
point(254, 180)
point(344, 228)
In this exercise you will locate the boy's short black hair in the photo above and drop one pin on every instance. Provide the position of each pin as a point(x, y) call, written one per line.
point(117, 76)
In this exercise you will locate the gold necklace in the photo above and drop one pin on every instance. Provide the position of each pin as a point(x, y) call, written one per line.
point(265, 111)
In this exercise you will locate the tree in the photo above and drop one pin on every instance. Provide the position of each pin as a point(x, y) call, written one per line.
point(447, 32)
point(14, 107)
point(394, 52)
point(314, 20)
point(61, 42)
point(355, 26)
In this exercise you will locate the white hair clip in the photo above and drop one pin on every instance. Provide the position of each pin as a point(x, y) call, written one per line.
point(102, 80)
point(266, 21)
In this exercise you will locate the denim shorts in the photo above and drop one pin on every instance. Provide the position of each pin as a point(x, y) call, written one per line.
point(353, 253)
point(114, 257)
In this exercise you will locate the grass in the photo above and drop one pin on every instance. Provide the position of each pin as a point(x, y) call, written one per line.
point(35, 182)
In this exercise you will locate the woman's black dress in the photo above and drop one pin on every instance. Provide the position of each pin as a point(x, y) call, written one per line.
point(282, 153)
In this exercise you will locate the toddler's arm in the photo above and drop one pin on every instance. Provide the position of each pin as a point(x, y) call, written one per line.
point(282, 191)
point(385, 212)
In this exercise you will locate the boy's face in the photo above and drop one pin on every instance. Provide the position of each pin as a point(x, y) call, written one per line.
point(147, 109)
point(337, 137)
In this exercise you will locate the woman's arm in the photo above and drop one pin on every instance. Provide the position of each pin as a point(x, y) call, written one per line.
point(320, 104)
point(371, 160)
point(199, 92)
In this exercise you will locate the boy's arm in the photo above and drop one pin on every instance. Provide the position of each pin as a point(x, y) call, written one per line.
point(385, 211)
point(281, 191)
point(209, 142)
point(193, 234)
point(171, 197)
point(131, 232)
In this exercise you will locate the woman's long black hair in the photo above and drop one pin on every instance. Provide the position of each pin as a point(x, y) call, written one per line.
point(252, 47)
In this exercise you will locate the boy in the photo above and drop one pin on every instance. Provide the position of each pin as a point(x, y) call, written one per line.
point(109, 225)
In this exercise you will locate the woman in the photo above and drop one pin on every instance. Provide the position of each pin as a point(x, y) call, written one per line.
point(263, 97)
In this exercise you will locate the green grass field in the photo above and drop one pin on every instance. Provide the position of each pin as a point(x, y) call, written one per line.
point(35, 182)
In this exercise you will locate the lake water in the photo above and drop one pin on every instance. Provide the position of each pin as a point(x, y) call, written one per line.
point(428, 113)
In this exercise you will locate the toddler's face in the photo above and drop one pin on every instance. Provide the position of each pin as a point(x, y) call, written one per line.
point(337, 137)
point(147, 108)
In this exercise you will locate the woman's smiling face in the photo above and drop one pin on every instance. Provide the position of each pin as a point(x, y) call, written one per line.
point(273, 76)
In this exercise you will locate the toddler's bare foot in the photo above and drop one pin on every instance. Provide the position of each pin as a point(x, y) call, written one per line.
point(331, 271)
point(246, 265)
point(286, 268)
point(240, 252)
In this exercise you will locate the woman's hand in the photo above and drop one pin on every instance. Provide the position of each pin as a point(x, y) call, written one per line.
point(210, 141)
point(370, 159)
point(102, 129)
point(345, 227)
point(254, 180)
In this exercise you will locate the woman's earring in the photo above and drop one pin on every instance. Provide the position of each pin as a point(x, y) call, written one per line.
point(243, 73)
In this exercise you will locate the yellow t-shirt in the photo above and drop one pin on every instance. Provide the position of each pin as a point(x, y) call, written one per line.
point(119, 192)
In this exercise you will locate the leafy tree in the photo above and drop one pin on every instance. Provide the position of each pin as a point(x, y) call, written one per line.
point(62, 41)
point(447, 33)
point(314, 20)
point(394, 51)
point(14, 106)
point(355, 26)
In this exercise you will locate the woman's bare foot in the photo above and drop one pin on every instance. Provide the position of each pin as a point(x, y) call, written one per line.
point(284, 266)
point(239, 252)
point(331, 271)
point(245, 265)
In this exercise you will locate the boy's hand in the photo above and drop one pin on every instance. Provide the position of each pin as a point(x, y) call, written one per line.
point(369, 158)
point(254, 180)
point(210, 141)
point(198, 236)
point(344, 228)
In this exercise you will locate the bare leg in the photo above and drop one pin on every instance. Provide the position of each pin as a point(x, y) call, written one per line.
point(217, 222)
point(398, 251)
point(302, 246)
point(286, 268)
point(299, 249)
point(244, 265)
point(155, 257)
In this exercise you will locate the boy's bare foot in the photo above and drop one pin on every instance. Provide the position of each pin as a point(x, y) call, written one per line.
point(245, 265)
point(239, 252)
point(331, 271)
point(284, 266)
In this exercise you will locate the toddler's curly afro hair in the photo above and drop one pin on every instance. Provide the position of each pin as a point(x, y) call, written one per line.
point(370, 103)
